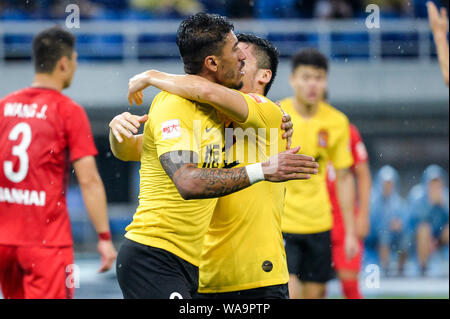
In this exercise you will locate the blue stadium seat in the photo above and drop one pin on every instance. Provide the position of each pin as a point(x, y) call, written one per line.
point(157, 46)
point(13, 14)
point(269, 9)
point(350, 45)
point(403, 45)
point(100, 47)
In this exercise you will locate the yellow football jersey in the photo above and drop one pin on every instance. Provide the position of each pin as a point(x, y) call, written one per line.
point(243, 247)
point(326, 137)
point(163, 218)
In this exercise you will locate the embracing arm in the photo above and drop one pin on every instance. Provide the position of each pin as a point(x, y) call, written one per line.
point(124, 144)
point(195, 183)
point(191, 87)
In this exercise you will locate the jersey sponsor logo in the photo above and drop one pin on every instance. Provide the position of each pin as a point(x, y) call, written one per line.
point(323, 138)
point(22, 196)
point(171, 129)
point(212, 156)
point(25, 110)
point(257, 98)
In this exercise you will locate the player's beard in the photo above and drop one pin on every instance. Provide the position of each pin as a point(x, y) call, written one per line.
point(235, 78)
point(238, 86)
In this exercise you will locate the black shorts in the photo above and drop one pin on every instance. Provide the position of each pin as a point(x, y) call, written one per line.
point(269, 292)
point(309, 256)
point(146, 272)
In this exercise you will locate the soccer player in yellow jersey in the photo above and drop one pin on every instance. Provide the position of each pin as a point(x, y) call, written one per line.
point(243, 254)
point(180, 177)
point(323, 132)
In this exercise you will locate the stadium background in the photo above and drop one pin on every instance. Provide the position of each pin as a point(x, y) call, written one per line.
point(387, 80)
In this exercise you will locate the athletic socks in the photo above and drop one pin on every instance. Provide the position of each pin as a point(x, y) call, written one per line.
point(350, 289)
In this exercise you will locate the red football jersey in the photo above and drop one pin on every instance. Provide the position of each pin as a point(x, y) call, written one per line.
point(359, 154)
point(41, 132)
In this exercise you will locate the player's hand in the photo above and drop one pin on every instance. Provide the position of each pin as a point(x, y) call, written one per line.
point(362, 225)
point(136, 85)
point(438, 20)
point(289, 165)
point(351, 246)
point(288, 129)
point(126, 124)
point(108, 254)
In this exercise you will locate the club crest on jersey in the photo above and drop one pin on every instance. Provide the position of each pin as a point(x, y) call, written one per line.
point(257, 98)
point(170, 129)
point(323, 138)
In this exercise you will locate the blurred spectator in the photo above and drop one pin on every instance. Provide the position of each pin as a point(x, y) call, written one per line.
point(88, 9)
point(169, 8)
point(390, 223)
point(393, 8)
point(269, 9)
point(333, 9)
point(429, 202)
point(240, 8)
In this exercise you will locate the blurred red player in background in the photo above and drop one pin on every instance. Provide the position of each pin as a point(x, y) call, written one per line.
point(347, 270)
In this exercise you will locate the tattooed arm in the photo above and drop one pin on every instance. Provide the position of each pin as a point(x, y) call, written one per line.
point(195, 183)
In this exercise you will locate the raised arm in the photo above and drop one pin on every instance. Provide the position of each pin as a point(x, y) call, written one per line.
point(439, 27)
point(191, 87)
point(195, 183)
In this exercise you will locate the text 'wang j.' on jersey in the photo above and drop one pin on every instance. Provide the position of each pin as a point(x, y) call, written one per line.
point(41, 132)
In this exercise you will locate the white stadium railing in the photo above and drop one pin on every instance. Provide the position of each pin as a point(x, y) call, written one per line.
point(340, 39)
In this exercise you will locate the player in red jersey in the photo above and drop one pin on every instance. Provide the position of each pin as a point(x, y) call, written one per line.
point(41, 133)
point(347, 270)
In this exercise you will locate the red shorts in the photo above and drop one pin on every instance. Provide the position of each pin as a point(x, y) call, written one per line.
point(36, 272)
point(340, 260)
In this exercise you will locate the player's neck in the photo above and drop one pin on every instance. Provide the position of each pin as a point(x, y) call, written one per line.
point(258, 90)
point(207, 75)
point(46, 81)
point(305, 110)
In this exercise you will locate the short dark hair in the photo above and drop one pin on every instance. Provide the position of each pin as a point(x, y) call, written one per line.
point(200, 35)
point(310, 57)
point(49, 46)
point(266, 54)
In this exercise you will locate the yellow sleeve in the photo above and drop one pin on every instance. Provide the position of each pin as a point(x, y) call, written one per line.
point(262, 112)
point(340, 151)
point(173, 125)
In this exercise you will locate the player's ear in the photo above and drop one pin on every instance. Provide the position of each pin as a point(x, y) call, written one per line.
point(63, 64)
point(265, 76)
point(211, 63)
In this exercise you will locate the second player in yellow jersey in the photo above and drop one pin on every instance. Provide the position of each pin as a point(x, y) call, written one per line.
point(243, 247)
point(326, 137)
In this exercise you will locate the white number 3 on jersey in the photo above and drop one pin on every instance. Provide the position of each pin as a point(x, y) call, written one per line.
point(20, 151)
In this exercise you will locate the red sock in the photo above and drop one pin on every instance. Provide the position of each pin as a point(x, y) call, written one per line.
point(351, 289)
